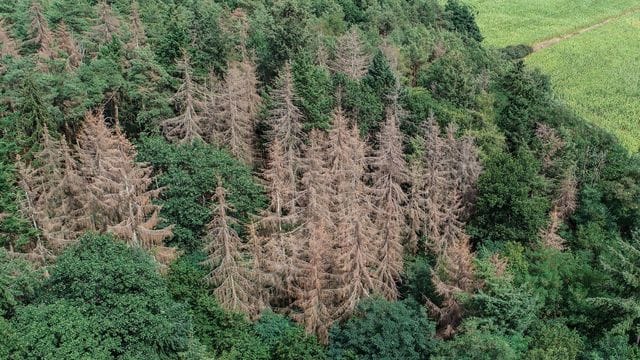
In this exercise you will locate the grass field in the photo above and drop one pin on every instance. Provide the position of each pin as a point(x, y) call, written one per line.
point(598, 74)
point(511, 22)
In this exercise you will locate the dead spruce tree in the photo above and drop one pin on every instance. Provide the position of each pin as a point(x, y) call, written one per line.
point(443, 190)
point(276, 222)
point(390, 172)
point(41, 35)
point(355, 235)
point(117, 199)
point(351, 58)
point(138, 37)
point(8, 46)
point(230, 274)
point(285, 136)
point(68, 46)
point(236, 102)
point(186, 127)
point(108, 24)
point(52, 187)
point(314, 272)
point(563, 206)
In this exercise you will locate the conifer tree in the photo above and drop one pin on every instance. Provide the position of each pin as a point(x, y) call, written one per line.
point(68, 45)
point(117, 199)
point(355, 235)
point(277, 220)
point(314, 272)
point(7, 43)
point(454, 275)
point(108, 24)
point(138, 36)
point(285, 120)
point(390, 172)
point(236, 102)
point(42, 36)
point(186, 127)
point(351, 58)
point(563, 206)
point(230, 269)
point(53, 186)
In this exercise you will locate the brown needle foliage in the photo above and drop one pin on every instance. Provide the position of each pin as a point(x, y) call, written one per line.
point(443, 191)
point(285, 139)
point(231, 273)
point(117, 198)
point(390, 172)
point(186, 127)
point(564, 205)
point(355, 236)
point(40, 32)
point(236, 102)
point(314, 278)
point(7, 43)
point(138, 37)
point(351, 58)
point(108, 24)
point(68, 46)
point(53, 187)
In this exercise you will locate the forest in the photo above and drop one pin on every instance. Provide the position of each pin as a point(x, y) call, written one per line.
point(301, 179)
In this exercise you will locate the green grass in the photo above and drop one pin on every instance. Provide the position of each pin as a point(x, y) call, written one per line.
point(598, 74)
point(511, 22)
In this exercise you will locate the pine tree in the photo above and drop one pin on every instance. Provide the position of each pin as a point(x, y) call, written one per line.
point(108, 24)
point(186, 127)
point(42, 36)
point(236, 102)
point(230, 272)
point(7, 43)
point(350, 58)
point(314, 272)
point(390, 172)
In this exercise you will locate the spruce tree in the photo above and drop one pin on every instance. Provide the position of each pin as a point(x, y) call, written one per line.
point(108, 24)
point(351, 58)
point(390, 172)
point(230, 274)
point(67, 44)
point(41, 35)
point(236, 102)
point(117, 198)
point(186, 127)
point(8, 46)
point(314, 272)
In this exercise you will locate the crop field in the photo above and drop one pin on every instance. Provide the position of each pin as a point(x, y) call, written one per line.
point(511, 22)
point(598, 74)
point(596, 71)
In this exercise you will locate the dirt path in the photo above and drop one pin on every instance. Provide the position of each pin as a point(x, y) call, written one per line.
point(550, 42)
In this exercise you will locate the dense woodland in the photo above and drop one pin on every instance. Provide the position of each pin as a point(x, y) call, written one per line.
point(301, 179)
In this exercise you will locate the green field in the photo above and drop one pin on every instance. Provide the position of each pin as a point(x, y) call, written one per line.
point(595, 72)
point(510, 22)
point(598, 74)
